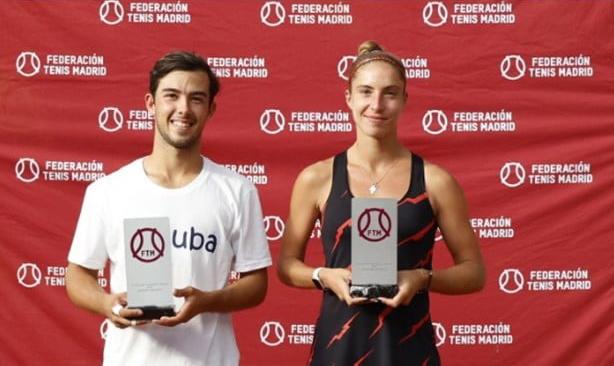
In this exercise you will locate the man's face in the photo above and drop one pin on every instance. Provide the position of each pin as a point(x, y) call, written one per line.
point(181, 107)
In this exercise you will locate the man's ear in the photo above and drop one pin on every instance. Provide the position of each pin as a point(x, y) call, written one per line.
point(212, 109)
point(149, 102)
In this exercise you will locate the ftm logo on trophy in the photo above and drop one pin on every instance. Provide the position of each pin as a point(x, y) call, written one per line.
point(374, 248)
point(148, 266)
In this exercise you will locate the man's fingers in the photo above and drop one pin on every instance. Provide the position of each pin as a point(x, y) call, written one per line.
point(171, 321)
point(122, 322)
point(116, 309)
point(131, 313)
point(183, 292)
point(168, 321)
point(125, 323)
point(123, 298)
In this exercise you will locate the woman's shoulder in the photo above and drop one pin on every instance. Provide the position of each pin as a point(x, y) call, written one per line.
point(441, 186)
point(316, 174)
point(435, 174)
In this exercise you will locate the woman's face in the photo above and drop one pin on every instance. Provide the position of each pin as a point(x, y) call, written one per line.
point(376, 98)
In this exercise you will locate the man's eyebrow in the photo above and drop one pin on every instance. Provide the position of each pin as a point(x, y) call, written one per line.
point(393, 87)
point(200, 93)
point(173, 90)
point(170, 90)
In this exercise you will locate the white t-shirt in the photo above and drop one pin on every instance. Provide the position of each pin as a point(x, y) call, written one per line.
point(217, 202)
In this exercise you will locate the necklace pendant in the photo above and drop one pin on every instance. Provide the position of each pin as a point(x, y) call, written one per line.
point(373, 188)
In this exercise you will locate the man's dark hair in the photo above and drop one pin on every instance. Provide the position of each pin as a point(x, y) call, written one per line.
point(183, 61)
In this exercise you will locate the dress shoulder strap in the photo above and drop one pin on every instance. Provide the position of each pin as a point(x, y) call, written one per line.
point(417, 184)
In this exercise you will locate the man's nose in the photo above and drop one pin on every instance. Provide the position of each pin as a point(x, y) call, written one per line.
point(183, 105)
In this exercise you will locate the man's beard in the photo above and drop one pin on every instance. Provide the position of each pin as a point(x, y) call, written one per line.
point(183, 144)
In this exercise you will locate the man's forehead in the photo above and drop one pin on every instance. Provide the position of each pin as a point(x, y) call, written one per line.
point(193, 79)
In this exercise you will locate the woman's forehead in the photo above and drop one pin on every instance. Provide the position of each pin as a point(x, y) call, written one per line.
point(378, 72)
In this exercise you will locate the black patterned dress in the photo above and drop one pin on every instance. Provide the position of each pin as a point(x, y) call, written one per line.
point(375, 334)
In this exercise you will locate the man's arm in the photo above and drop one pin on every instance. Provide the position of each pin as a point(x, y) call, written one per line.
point(249, 291)
point(85, 292)
point(83, 288)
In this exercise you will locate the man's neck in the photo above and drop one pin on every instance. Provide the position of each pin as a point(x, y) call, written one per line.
point(173, 168)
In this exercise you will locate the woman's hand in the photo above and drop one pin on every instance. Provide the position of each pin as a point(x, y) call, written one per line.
point(338, 281)
point(410, 282)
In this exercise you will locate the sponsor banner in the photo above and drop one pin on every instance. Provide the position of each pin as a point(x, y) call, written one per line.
point(493, 227)
point(274, 13)
point(514, 67)
point(316, 232)
point(255, 172)
point(111, 119)
point(233, 277)
point(103, 329)
point(113, 12)
point(273, 122)
point(248, 67)
point(435, 122)
point(513, 280)
point(274, 227)
point(31, 275)
point(438, 235)
point(29, 170)
point(273, 333)
point(463, 13)
point(481, 334)
point(514, 174)
point(30, 63)
point(489, 228)
point(416, 67)
point(561, 173)
point(440, 334)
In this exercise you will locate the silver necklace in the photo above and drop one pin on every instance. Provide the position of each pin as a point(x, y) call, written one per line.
point(374, 187)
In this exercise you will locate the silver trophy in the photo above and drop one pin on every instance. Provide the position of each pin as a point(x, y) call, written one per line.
point(148, 266)
point(374, 247)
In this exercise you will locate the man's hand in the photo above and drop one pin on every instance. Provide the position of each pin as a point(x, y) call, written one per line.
point(115, 310)
point(193, 305)
point(83, 290)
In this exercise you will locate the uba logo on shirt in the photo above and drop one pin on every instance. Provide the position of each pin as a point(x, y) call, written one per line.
point(193, 240)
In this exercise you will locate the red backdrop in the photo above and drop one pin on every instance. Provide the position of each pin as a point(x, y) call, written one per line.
point(515, 98)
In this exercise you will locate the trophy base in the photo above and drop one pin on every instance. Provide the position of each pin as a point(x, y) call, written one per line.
point(373, 291)
point(154, 312)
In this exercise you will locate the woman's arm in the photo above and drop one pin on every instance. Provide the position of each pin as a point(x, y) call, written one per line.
point(448, 201)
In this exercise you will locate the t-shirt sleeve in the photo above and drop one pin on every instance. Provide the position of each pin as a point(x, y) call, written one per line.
point(248, 238)
point(88, 244)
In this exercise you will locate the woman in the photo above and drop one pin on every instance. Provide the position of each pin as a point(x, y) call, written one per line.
point(388, 331)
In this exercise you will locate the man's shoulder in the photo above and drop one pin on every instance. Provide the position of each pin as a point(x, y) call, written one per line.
point(121, 176)
point(224, 175)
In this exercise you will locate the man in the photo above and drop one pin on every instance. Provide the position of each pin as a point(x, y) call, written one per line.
point(202, 200)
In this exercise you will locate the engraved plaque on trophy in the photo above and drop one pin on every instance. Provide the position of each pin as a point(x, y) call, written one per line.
point(374, 247)
point(148, 266)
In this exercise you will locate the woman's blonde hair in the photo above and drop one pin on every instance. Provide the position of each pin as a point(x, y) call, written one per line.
point(370, 51)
